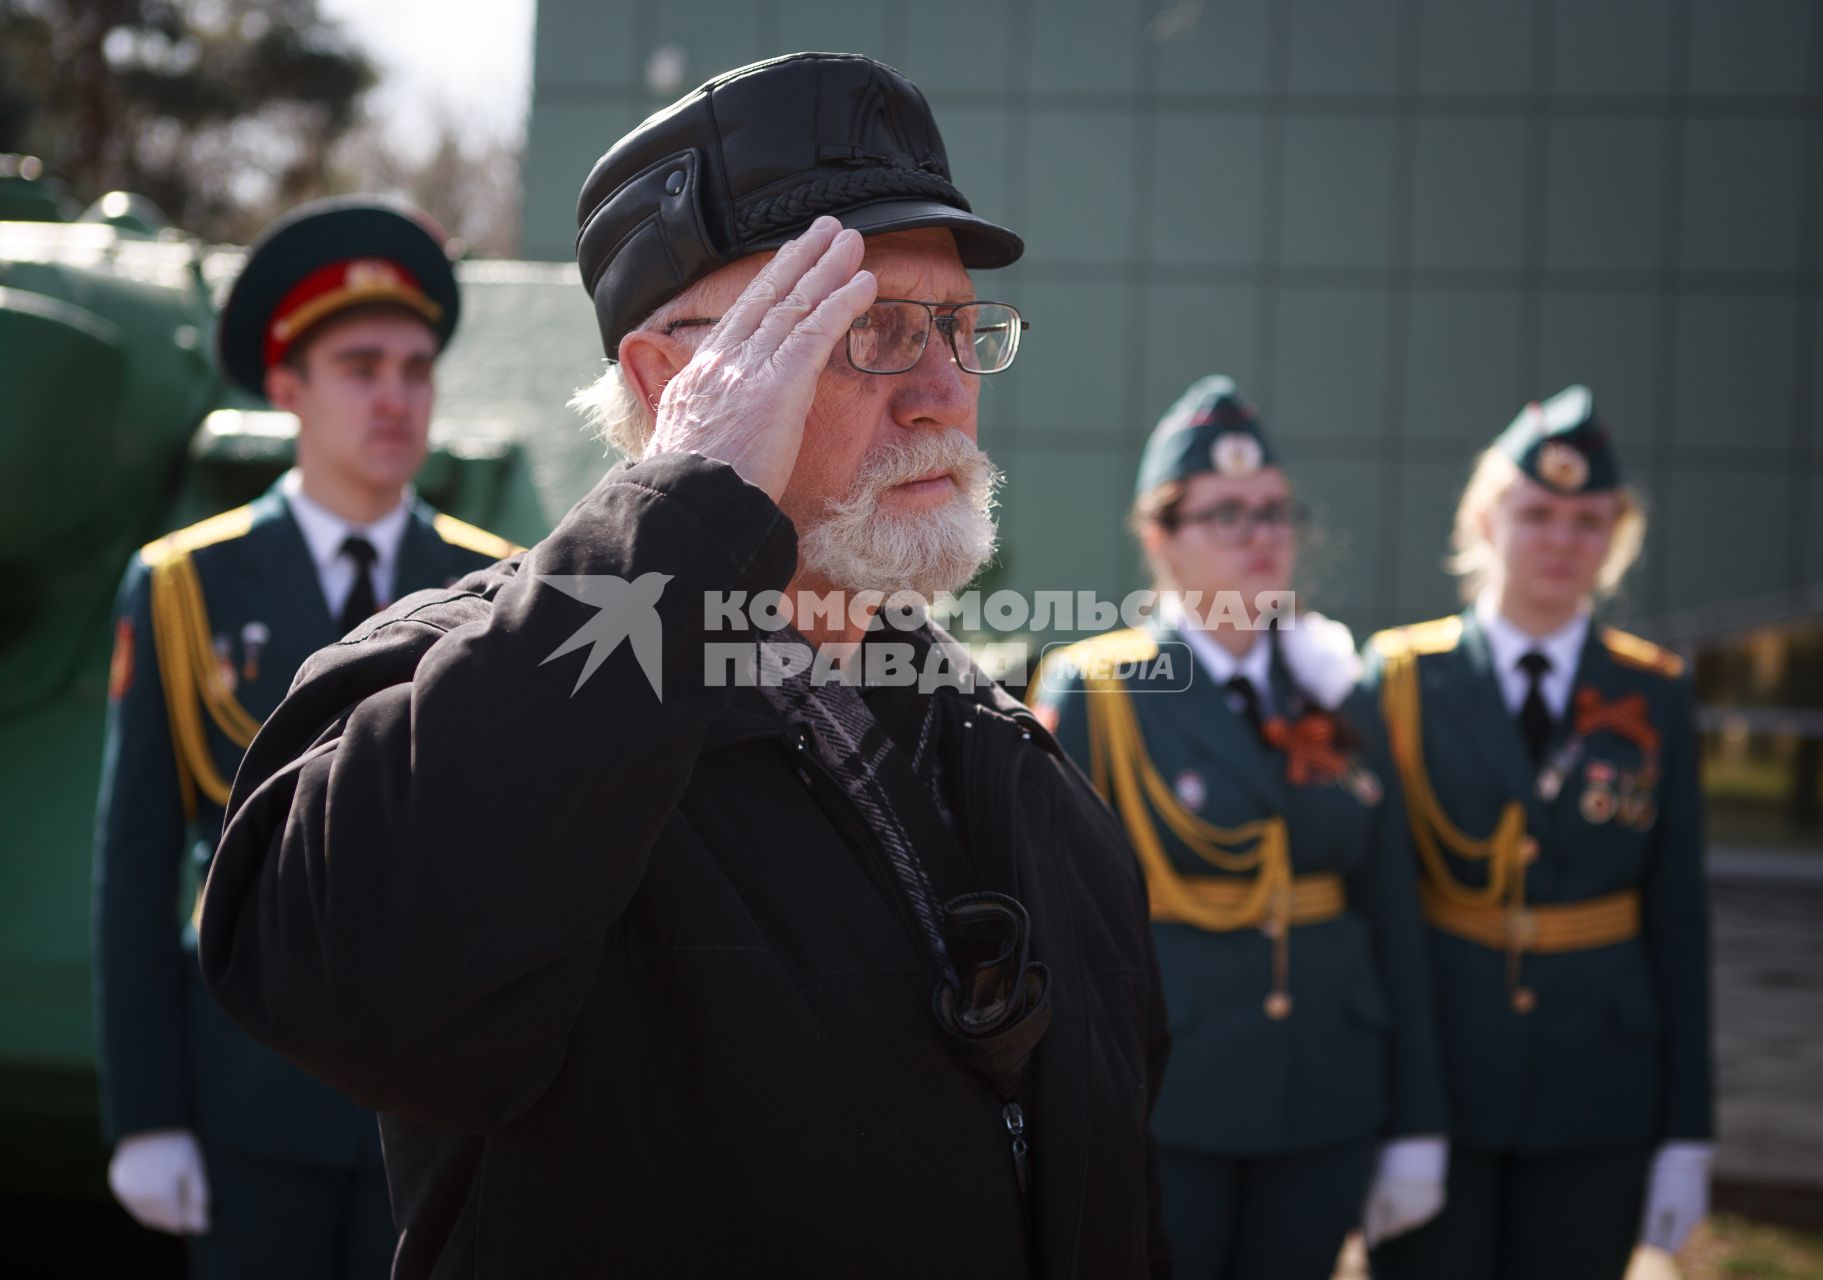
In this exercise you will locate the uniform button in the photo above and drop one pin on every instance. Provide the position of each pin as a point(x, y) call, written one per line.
point(1278, 1006)
point(674, 184)
point(1524, 1000)
point(1528, 850)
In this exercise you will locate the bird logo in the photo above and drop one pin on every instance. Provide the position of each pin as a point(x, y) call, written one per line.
point(625, 610)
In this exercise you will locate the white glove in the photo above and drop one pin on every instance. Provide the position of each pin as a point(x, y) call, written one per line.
point(1677, 1194)
point(1407, 1190)
point(158, 1178)
point(1320, 654)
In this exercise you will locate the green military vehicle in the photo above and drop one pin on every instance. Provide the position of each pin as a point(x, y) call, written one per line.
point(117, 430)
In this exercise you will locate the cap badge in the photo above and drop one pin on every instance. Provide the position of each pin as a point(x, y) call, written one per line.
point(372, 273)
point(1235, 453)
point(1563, 467)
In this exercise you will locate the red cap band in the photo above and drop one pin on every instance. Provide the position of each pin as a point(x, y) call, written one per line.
point(337, 287)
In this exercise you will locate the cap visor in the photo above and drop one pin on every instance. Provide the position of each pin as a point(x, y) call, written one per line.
point(982, 244)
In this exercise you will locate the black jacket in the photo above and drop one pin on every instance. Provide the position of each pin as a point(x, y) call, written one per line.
point(616, 971)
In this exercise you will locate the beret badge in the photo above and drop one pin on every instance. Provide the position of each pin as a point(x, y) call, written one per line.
point(1563, 467)
point(1236, 453)
point(1562, 445)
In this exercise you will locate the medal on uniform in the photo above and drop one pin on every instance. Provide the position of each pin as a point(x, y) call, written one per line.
point(1637, 808)
point(226, 678)
point(1598, 801)
point(1631, 808)
point(1365, 783)
point(1191, 790)
point(253, 642)
point(1550, 778)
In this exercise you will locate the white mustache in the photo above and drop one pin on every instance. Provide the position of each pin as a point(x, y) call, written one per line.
point(915, 457)
point(859, 547)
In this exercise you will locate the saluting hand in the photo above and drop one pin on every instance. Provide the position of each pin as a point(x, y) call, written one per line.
point(744, 396)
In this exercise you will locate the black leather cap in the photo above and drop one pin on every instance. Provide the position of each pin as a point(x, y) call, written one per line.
point(751, 159)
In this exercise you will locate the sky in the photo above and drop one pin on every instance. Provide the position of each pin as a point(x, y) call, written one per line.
point(472, 57)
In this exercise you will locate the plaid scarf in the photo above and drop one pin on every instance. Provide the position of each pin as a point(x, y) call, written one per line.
point(895, 791)
point(885, 752)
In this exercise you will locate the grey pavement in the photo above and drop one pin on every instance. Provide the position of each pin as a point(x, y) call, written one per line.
point(1767, 917)
point(1765, 866)
point(1768, 940)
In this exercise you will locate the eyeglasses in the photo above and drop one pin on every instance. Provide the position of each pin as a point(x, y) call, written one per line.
point(1232, 523)
point(890, 336)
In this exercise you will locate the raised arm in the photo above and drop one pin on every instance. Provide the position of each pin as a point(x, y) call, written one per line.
point(429, 839)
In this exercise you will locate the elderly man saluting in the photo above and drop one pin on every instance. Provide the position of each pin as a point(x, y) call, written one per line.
point(653, 971)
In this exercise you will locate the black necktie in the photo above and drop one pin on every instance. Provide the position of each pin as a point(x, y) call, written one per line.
point(1244, 700)
point(361, 602)
point(1534, 716)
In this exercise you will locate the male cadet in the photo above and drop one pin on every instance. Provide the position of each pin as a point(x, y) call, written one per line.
point(652, 972)
point(337, 317)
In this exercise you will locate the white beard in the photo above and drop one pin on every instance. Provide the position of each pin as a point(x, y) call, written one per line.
point(857, 547)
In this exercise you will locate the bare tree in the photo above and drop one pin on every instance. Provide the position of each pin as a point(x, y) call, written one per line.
point(467, 177)
point(221, 111)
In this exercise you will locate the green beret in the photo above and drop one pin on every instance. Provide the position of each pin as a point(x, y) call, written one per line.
point(1562, 445)
point(324, 257)
point(1210, 428)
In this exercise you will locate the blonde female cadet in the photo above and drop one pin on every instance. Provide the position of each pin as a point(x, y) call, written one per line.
point(1254, 785)
point(1550, 771)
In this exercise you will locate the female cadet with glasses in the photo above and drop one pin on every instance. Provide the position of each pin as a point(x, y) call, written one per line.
point(1550, 772)
point(1257, 794)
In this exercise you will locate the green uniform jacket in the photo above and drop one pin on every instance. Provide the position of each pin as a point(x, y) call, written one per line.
point(169, 1057)
point(1357, 1057)
point(1615, 1051)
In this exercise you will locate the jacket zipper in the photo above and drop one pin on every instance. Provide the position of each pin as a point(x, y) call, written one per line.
point(986, 804)
point(1014, 1117)
point(987, 801)
point(981, 797)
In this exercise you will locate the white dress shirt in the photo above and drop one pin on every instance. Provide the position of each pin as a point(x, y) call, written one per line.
point(1507, 644)
point(324, 532)
point(1223, 666)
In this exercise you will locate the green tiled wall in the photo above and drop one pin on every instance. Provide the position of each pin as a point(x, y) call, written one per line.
point(1393, 220)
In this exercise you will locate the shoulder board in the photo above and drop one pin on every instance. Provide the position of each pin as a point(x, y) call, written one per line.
point(459, 533)
point(1439, 635)
point(222, 528)
point(1127, 645)
point(1631, 651)
point(1099, 652)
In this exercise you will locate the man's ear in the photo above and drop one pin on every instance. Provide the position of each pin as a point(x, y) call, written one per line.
point(648, 360)
point(282, 386)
